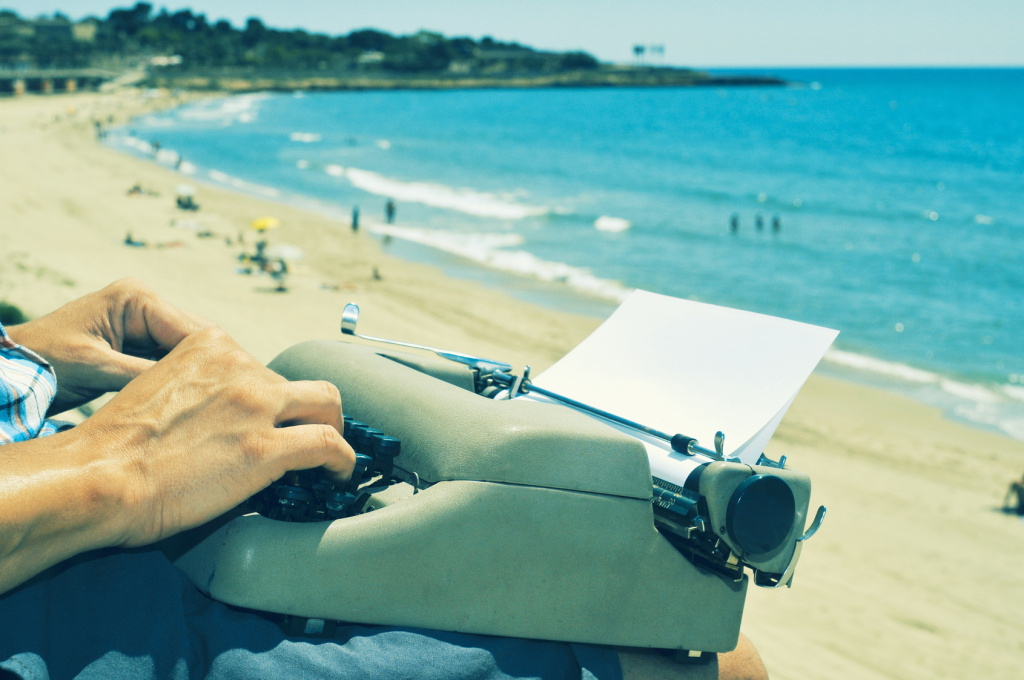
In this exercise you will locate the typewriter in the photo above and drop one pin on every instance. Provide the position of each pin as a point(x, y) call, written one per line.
point(473, 511)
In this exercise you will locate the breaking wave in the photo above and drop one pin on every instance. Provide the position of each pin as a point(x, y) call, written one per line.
point(611, 224)
point(242, 185)
point(994, 406)
point(495, 251)
point(468, 201)
point(227, 110)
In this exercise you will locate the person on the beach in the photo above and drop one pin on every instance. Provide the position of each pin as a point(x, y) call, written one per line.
point(186, 203)
point(1014, 501)
point(197, 427)
point(278, 270)
point(129, 240)
point(355, 218)
point(259, 258)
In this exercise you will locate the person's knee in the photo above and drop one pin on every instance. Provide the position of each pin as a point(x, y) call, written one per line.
point(742, 663)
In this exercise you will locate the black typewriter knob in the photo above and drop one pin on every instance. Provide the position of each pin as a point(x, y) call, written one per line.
point(364, 464)
point(760, 514)
point(386, 447)
point(362, 440)
point(355, 434)
point(385, 450)
point(368, 440)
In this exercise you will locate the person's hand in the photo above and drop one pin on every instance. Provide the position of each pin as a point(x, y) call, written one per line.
point(205, 428)
point(100, 342)
point(188, 437)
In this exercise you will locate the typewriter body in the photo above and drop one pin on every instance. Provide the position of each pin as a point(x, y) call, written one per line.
point(503, 517)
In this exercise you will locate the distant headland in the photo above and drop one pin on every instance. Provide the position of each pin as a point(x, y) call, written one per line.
point(186, 51)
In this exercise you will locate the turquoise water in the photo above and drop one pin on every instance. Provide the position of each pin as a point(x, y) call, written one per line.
point(898, 194)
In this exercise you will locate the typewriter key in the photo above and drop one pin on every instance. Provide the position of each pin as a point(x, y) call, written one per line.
point(338, 503)
point(293, 502)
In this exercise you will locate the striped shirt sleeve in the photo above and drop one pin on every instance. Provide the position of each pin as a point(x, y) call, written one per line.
point(27, 388)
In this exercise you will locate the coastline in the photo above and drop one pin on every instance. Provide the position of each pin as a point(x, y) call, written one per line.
point(237, 82)
point(912, 572)
point(523, 214)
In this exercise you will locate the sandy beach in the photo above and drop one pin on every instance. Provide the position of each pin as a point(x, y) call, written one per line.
point(914, 574)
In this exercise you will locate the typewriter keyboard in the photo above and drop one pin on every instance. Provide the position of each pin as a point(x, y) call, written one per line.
point(311, 496)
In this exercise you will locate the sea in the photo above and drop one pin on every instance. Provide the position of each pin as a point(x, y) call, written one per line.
point(885, 203)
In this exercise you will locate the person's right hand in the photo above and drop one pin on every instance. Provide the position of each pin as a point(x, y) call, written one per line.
point(205, 428)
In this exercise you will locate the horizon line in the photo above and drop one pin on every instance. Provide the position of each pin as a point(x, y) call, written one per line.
point(823, 67)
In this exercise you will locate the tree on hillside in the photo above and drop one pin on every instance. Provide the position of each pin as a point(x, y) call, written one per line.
point(136, 34)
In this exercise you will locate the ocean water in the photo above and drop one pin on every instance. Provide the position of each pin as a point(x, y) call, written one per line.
point(897, 193)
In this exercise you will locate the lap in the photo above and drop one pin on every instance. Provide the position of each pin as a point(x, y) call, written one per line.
point(132, 614)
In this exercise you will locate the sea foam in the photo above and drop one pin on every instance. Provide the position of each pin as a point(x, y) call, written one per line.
point(240, 108)
point(241, 184)
point(995, 406)
point(468, 201)
point(880, 367)
point(612, 224)
point(163, 156)
point(140, 145)
point(492, 250)
point(167, 156)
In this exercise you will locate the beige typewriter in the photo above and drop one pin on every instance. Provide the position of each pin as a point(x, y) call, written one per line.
point(476, 512)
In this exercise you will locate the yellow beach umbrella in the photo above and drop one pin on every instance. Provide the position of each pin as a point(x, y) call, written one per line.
point(264, 223)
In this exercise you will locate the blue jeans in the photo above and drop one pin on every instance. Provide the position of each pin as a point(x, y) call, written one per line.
point(115, 614)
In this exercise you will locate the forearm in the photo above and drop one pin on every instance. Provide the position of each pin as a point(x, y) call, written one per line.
point(186, 439)
point(58, 498)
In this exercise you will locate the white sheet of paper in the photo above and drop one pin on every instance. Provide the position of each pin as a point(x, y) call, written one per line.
point(686, 367)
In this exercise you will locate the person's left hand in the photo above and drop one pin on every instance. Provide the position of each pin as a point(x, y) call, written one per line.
point(98, 343)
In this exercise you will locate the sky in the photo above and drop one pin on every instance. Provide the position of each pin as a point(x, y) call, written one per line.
point(700, 33)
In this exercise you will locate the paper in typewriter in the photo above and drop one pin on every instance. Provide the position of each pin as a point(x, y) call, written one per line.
point(686, 367)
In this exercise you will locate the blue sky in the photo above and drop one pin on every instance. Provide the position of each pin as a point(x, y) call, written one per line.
point(693, 32)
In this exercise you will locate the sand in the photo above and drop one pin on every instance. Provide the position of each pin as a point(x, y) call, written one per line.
point(915, 574)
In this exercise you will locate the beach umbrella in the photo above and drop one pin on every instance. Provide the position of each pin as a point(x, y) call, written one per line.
point(185, 190)
point(264, 223)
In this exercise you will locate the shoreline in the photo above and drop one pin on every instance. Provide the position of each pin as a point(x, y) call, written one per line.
point(994, 407)
point(911, 494)
point(241, 81)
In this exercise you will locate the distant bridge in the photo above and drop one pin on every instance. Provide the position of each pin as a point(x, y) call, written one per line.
point(49, 81)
